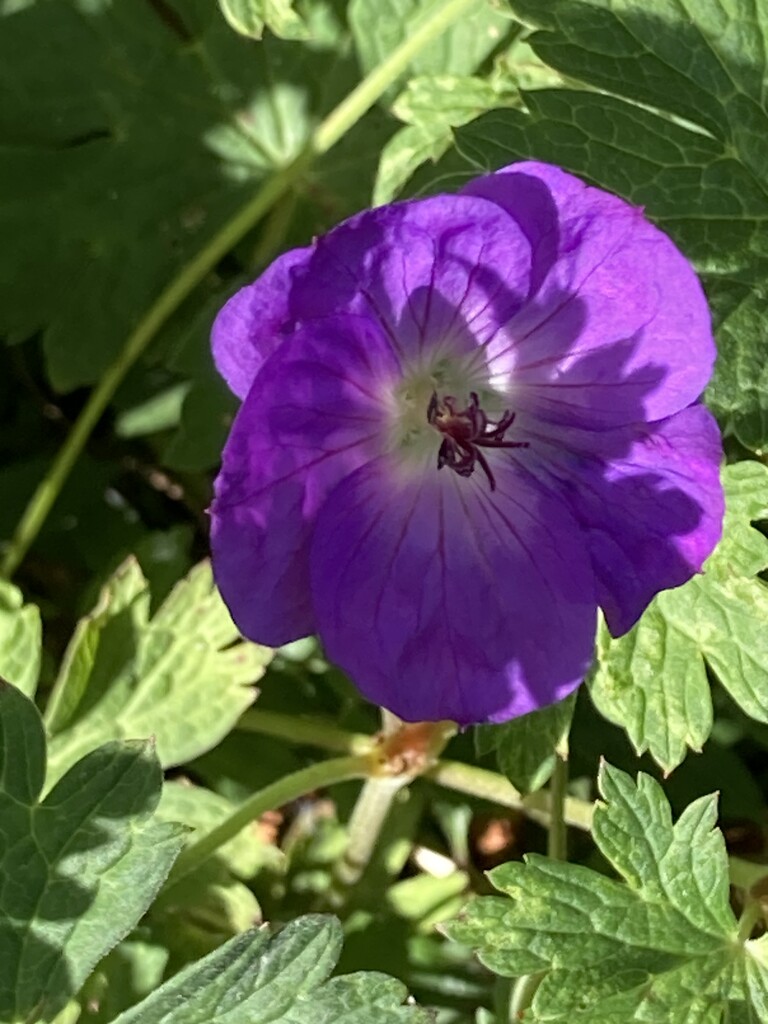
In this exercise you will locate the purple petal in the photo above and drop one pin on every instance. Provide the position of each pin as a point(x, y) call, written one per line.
point(649, 503)
point(442, 599)
point(617, 328)
point(250, 326)
point(445, 270)
point(312, 416)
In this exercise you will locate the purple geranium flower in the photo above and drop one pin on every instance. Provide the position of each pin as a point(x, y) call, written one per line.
point(467, 422)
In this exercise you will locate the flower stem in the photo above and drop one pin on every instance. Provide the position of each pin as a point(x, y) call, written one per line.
point(313, 732)
point(279, 793)
point(749, 918)
point(523, 992)
point(365, 824)
point(557, 832)
point(525, 987)
point(404, 751)
point(327, 134)
point(466, 778)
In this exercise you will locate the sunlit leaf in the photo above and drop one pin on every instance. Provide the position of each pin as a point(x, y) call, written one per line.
point(183, 676)
point(662, 945)
point(653, 681)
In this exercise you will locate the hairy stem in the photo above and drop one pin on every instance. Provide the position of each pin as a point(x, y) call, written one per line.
point(326, 135)
point(293, 786)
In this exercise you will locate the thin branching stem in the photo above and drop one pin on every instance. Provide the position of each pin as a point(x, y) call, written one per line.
point(291, 787)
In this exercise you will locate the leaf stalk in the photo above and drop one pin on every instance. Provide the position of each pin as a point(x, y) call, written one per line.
point(277, 794)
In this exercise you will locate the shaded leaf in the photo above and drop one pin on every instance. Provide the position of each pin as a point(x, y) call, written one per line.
point(130, 146)
point(527, 748)
point(255, 979)
point(80, 867)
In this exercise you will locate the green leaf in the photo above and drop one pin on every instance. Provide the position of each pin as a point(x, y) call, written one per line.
point(255, 979)
point(739, 389)
point(430, 106)
point(653, 681)
point(133, 969)
point(697, 160)
point(379, 26)
point(183, 676)
point(660, 946)
point(85, 863)
point(130, 146)
point(19, 640)
point(249, 18)
point(527, 748)
point(160, 411)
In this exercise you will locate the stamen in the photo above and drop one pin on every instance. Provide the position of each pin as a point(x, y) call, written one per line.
point(466, 432)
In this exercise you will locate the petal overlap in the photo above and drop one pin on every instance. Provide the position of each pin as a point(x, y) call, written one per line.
point(648, 502)
point(251, 325)
point(469, 421)
point(606, 336)
point(445, 269)
point(312, 416)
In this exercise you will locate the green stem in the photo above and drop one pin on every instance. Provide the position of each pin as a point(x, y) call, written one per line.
point(313, 732)
point(365, 824)
point(749, 918)
point(466, 778)
point(503, 989)
point(522, 995)
point(557, 847)
point(326, 135)
point(557, 832)
point(279, 793)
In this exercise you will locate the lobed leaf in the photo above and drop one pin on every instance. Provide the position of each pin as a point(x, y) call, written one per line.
point(661, 945)
point(255, 979)
point(184, 676)
point(653, 681)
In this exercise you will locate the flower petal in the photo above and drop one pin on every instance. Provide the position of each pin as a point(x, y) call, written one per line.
point(442, 599)
point(649, 502)
point(617, 328)
point(444, 269)
point(313, 414)
point(250, 326)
